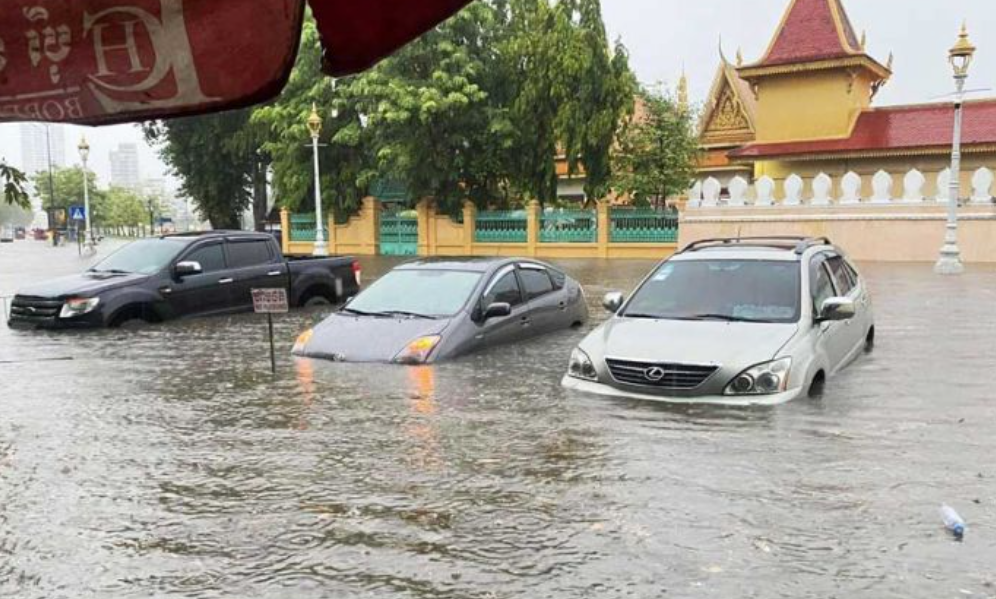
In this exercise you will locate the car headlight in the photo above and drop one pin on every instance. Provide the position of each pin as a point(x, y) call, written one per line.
point(78, 307)
point(302, 341)
point(418, 351)
point(764, 379)
point(581, 366)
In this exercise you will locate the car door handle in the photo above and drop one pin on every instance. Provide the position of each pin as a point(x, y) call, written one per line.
point(562, 305)
point(525, 321)
point(274, 273)
point(225, 281)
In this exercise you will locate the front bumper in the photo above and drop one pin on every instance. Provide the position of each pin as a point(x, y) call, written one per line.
point(572, 383)
point(93, 320)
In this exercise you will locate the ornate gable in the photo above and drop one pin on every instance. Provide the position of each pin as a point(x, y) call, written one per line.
point(728, 118)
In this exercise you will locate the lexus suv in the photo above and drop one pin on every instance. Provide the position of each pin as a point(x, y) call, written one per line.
point(731, 321)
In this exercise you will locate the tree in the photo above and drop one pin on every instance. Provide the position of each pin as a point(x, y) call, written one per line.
point(14, 181)
point(345, 155)
point(67, 183)
point(657, 150)
point(214, 160)
point(124, 208)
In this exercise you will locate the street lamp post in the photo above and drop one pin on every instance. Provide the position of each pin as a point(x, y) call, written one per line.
point(315, 127)
point(961, 58)
point(84, 149)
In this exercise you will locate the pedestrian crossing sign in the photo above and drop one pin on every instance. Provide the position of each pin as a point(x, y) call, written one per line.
point(77, 213)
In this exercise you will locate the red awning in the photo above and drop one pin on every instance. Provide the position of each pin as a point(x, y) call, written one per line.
point(108, 61)
point(357, 34)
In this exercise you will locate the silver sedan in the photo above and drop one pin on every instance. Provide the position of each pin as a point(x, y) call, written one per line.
point(431, 310)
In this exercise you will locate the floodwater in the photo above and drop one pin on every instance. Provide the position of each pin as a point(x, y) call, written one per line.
point(168, 462)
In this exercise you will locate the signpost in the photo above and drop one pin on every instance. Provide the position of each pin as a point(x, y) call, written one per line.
point(270, 302)
point(77, 213)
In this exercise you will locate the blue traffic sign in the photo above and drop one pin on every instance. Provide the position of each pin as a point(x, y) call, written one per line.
point(77, 213)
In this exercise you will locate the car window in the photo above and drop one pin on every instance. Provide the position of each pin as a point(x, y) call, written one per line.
point(749, 290)
point(505, 289)
point(820, 285)
point(211, 258)
point(559, 278)
point(248, 253)
point(535, 282)
point(842, 278)
point(436, 293)
point(855, 277)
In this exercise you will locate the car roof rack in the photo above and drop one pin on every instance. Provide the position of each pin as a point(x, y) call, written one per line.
point(797, 243)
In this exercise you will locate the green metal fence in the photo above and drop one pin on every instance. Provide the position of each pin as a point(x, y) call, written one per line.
point(399, 233)
point(302, 227)
point(501, 227)
point(569, 226)
point(643, 226)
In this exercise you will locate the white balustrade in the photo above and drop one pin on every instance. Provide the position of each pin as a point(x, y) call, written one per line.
point(695, 195)
point(793, 190)
point(944, 186)
point(881, 188)
point(851, 187)
point(765, 187)
point(707, 193)
point(822, 186)
point(913, 184)
point(711, 190)
point(738, 191)
point(982, 185)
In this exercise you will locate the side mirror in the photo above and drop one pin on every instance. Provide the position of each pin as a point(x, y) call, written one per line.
point(186, 269)
point(498, 310)
point(613, 301)
point(837, 308)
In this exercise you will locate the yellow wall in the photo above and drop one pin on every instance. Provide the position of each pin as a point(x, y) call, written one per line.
point(868, 233)
point(440, 236)
point(812, 105)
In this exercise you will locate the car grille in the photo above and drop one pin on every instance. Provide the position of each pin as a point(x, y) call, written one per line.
point(34, 309)
point(663, 376)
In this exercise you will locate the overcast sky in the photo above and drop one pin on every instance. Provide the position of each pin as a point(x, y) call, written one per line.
point(664, 36)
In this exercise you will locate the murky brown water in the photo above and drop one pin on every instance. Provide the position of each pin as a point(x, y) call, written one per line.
point(167, 462)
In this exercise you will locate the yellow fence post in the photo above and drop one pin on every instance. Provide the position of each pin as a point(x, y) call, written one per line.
point(604, 227)
point(469, 224)
point(532, 227)
point(332, 237)
point(371, 220)
point(284, 230)
point(424, 222)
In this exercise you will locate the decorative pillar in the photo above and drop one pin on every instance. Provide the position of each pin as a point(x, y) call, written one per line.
point(424, 211)
point(604, 219)
point(284, 230)
point(533, 210)
point(333, 241)
point(370, 220)
point(469, 227)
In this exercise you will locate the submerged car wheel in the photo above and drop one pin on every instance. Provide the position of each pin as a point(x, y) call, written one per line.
point(318, 301)
point(818, 385)
point(870, 340)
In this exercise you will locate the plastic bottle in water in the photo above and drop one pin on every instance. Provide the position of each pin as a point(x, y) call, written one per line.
point(952, 521)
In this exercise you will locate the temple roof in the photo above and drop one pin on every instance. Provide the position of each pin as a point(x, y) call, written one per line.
point(813, 31)
point(892, 130)
point(729, 112)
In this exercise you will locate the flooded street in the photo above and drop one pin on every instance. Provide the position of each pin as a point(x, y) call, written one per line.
point(168, 462)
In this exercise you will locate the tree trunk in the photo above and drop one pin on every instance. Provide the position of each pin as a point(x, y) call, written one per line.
point(260, 196)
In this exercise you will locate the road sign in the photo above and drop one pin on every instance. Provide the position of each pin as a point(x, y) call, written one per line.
point(270, 301)
point(77, 213)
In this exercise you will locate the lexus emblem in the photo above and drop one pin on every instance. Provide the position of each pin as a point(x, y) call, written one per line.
point(654, 374)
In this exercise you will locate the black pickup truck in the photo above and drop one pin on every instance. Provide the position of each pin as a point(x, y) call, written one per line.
point(178, 276)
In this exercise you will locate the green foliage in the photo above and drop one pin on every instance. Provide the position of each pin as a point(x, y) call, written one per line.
point(67, 185)
point(657, 151)
point(216, 158)
point(125, 208)
point(13, 182)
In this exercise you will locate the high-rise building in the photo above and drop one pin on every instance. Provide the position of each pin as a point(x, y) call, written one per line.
point(124, 166)
point(40, 144)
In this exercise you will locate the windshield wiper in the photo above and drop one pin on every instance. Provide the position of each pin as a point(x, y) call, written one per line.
point(409, 314)
point(111, 271)
point(359, 312)
point(724, 317)
point(638, 315)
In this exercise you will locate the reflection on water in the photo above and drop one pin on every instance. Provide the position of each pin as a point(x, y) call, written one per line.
point(169, 462)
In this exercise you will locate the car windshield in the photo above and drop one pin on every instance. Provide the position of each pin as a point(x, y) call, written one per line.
point(723, 290)
point(417, 292)
point(147, 256)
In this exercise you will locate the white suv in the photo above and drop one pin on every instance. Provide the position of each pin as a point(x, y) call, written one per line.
point(731, 321)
